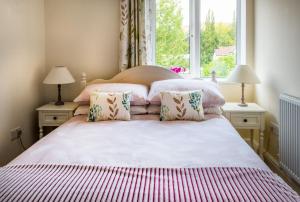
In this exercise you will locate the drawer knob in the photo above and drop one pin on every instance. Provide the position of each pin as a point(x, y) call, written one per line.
point(245, 120)
point(54, 118)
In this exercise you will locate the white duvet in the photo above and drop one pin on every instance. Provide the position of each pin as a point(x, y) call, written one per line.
point(143, 143)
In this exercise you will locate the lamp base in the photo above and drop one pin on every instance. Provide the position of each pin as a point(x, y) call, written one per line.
point(243, 105)
point(59, 102)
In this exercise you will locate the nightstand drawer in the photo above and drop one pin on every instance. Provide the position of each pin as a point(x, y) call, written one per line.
point(54, 118)
point(245, 120)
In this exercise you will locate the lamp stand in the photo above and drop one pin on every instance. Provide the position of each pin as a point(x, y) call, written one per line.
point(59, 101)
point(243, 103)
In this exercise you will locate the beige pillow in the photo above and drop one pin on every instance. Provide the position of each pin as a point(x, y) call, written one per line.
point(184, 105)
point(109, 106)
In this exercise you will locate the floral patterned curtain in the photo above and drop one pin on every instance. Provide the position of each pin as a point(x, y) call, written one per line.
point(134, 34)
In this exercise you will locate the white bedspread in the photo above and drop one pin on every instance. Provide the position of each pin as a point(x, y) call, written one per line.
point(143, 143)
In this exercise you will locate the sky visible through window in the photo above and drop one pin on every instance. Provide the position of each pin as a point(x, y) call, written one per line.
point(223, 10)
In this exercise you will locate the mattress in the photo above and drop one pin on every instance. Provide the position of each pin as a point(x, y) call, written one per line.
point(142, 160)
point(144, 142)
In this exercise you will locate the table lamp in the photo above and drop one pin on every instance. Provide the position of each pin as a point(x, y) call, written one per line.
point(59, 75)
point(245, 75)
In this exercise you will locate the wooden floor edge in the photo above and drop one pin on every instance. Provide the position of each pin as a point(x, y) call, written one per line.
point(275, 167)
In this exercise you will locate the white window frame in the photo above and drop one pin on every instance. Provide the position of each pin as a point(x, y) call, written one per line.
point(195, 30)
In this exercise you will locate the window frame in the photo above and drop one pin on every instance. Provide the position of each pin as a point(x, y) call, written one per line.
point(195, 31)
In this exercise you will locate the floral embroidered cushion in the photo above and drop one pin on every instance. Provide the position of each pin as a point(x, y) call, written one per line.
point(109, 106)
point(184, 105)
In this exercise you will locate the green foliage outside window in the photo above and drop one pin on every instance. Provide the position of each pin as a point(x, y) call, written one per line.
point(172, 45)
point(172, 40)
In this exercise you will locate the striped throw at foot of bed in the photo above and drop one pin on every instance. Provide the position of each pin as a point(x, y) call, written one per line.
point(95, 183)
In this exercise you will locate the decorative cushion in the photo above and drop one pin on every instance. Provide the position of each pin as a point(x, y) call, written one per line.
point(181, 106)
point(212, 97)
point(109, 106)
point(139, 92)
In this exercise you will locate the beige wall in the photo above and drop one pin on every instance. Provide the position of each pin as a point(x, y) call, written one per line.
point(83, 35)
point(277, 52)
point(22, 61)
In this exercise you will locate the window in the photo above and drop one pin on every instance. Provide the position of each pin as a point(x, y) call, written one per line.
point(195, 37)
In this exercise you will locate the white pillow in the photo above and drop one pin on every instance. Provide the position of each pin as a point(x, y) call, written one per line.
point(109, 106)
point(134, 110)
point(155, 109)
point(139, 92)
point(185, 105)
point(212, 97)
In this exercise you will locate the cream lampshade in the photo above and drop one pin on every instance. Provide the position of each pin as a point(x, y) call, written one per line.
point(245, 75)
point(59, 75)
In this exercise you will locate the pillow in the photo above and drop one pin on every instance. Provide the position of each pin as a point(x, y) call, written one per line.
point(155, 109)
point(185, 105)
point(82, 110)
point(212, 97)
point(138, 92)
point(213, 110)
point(109, 106)
point(134, 110)
point(138, 110)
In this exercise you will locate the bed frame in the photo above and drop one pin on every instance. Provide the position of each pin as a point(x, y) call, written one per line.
point(139, 75)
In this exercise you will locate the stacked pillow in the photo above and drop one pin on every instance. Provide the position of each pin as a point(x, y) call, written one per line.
point(100, 101)
point(174, 99)
point(212, 98)
point(138, 96)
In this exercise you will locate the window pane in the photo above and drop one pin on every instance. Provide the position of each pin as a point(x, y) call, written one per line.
point(172, 34)
point(218, 37)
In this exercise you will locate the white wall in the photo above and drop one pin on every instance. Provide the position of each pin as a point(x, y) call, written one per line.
point(277, 54)
point(22, 62)
point(83, 35)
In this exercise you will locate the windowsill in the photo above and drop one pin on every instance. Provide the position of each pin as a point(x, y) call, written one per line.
point(222, 81)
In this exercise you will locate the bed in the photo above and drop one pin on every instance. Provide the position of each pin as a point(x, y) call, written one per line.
point(142, 160)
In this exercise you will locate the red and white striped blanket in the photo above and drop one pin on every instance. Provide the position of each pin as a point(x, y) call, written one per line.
point(95, 183)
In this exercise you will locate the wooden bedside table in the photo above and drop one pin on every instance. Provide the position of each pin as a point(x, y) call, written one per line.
point(251, 117)
point(52, 115)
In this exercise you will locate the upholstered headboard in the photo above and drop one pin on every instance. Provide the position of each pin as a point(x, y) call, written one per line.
point(139, 75)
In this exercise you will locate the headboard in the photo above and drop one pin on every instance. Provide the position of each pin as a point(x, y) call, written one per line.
point(139, 75)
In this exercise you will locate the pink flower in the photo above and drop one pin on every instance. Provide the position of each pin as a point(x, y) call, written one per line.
point(177, 70)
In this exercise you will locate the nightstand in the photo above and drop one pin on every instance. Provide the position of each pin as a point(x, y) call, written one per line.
point(251, 117)
point(53, 115)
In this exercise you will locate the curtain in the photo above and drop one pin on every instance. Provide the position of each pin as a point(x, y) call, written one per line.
point(135, 44)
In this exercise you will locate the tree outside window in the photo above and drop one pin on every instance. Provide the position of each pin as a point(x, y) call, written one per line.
point(217, 39)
